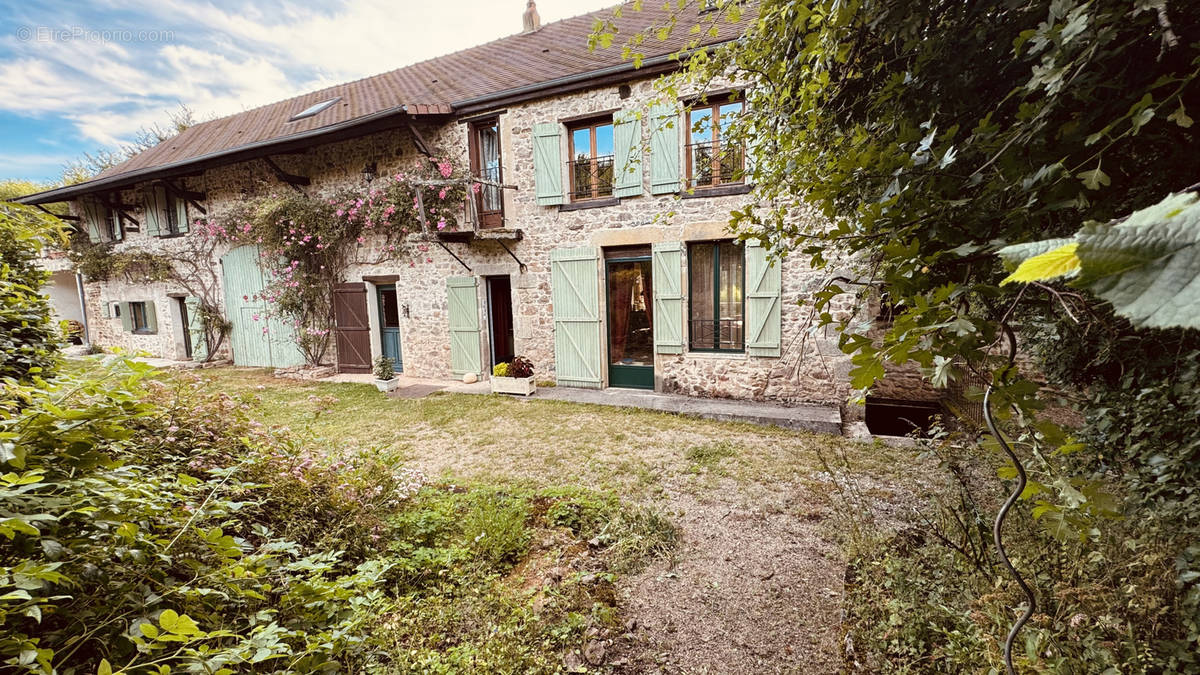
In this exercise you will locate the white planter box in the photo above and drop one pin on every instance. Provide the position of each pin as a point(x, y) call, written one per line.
point(388, 385)
point(522, 386)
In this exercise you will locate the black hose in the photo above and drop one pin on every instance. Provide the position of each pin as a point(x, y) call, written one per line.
point(1022, 481)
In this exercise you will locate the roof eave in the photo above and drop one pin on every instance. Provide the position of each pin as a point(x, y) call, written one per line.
point(227, 156)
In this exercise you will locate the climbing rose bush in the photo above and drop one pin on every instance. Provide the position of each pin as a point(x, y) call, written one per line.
point(307, 242)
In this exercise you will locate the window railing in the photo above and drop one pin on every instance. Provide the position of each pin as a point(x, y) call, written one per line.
point(717, 334)
point(591, 177)
point(711, 164)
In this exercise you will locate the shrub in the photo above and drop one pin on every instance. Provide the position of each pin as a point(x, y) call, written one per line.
point(385, 368)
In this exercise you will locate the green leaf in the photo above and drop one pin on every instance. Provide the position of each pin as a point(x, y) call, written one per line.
point(149, 630)
point(1055, 264)
point(1147, 266)
point(1094, 179)
point(1016, 254)
point(1180, 117)
point(178, 624)
point(105, 668)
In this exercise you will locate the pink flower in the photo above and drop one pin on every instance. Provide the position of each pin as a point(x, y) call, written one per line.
point(442, 193)
point(441, 225)
point(445, 169)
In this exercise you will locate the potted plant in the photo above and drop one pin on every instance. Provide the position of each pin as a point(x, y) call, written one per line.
point(513, 377)
point(385, 374)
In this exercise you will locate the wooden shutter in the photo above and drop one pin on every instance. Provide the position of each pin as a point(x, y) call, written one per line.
point(155, 203)
point(667, 260)
point(465, 356)
point(764, 309)
point(195, 328)
point(93, 217)
point(627, 142)
point(126, 316)
point(181, 214)
point(575, 292)
point(547, 172)
point(106, 310)
point(664, 149)
point(151, 318)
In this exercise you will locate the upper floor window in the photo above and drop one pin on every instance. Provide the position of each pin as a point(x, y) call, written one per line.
point(484, 143)
point(716, 307)
point(711, 161)
point(114, 229)
point(591, 164)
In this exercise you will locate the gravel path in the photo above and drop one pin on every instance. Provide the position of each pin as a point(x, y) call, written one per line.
point(755, 587)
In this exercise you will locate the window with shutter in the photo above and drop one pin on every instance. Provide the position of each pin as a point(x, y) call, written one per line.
point(667, 260)
point(716, 279)
point(627, 141)
point(547, 171)
point(664, 149)
point(764, 305)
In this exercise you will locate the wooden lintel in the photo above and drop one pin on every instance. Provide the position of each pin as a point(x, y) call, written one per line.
point(46, 210)
point(190, 195)
point(419, 140)
point(289, 178)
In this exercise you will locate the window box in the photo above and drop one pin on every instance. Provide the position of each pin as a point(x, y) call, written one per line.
point(521, 386)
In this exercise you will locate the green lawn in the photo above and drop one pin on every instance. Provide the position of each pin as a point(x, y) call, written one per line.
point(546, 442)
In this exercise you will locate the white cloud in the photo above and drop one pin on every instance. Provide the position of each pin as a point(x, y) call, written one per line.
point(222, 61)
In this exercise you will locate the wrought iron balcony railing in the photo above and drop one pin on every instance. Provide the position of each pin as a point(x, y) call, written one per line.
point(711, 164)
point(591, 177)
point(717, 334)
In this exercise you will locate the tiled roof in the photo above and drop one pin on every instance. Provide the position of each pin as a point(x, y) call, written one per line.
point(436, 86)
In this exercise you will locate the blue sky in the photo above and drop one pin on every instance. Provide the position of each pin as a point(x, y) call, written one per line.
point(78, 76)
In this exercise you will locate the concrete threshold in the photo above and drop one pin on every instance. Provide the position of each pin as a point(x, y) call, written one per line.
point(824, 419)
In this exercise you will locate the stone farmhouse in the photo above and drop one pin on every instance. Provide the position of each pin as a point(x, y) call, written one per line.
point(598, 245)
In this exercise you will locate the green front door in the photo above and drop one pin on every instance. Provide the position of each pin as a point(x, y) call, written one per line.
point(630, 322)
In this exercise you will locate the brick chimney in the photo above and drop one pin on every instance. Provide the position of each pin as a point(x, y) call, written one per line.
point(531, 19)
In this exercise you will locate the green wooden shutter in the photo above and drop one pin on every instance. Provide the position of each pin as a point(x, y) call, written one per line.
point(195, 329)
point(575, 292)
point(126, 316)
point(105, 310)
point(93, 218)
point(664, 149)
point(627, 146)
point(464, 325)
point(155, 206)
point(764, 309)
point(181, 214)
point(547, 173)
point(151, 317)
point(667, 259)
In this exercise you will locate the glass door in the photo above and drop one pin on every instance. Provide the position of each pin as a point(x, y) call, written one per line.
point(630, 323)
point(389, 326)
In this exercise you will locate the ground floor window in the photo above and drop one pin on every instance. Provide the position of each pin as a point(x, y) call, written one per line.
point(716, 309)
point(137, 317)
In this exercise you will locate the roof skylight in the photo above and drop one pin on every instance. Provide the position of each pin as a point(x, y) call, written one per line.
point(314, 109)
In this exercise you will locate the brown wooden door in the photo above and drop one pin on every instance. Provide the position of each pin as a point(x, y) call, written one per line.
point(352, 329)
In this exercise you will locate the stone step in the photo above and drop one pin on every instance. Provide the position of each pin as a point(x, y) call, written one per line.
point(826, 419)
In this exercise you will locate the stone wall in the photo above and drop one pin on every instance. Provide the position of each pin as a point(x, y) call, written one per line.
point(811, 368)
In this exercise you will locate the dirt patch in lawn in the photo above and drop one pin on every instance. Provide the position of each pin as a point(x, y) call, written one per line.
point(754, 587)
